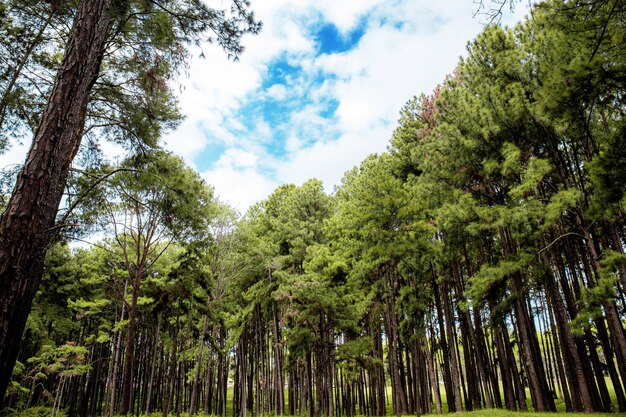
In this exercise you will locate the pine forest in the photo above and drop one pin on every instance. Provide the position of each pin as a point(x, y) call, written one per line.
point(479, 263)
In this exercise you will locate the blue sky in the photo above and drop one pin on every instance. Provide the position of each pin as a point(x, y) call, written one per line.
point(316, 92)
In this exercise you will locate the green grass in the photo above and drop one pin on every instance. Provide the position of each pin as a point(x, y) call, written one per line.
point(505, 413)
point(479, 413)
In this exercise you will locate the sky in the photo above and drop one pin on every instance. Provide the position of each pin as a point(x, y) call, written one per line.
point(314, 93)
point(318, 90)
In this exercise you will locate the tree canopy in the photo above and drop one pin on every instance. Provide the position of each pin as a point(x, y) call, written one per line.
point(478, 263)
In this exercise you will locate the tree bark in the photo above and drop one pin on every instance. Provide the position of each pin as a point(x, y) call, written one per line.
point(445, 349)
point(194, 390)
point(129, 357)
point(576, 375)
point(27, 223)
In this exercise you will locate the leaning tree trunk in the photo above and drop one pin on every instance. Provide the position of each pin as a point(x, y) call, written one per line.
point(26, 225)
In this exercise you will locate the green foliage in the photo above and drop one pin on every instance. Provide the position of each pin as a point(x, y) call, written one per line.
point(67, 360)
point(38, 412)
point(503, 184)
point(133, 100)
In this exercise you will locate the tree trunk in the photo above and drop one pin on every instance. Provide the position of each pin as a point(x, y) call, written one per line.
point(445, 350)
point(279, 398)
point(129, 359)
point(432, 376)
point(169, 383)
point(153, 366)
point(196, 379)
point(27, 223)
point(576, 375)
point(454, 362)
point(500, 336)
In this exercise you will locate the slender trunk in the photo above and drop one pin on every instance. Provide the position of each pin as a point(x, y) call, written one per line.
point(153, 367)
point(194, 390)
point(576, 375)
point(27, 224)
point(500, 333)
point(309, 382)
point(529, 346)
point(417, 389)
point(559, 362)
point(447, 374)
point(608, 355)
point(492, 386)
point(394, 360)
point(112, 384)
point(613, 320)
point(454, 362)
point(432, 376)
point(169, 383)
point(279, 386)
point(129, 359)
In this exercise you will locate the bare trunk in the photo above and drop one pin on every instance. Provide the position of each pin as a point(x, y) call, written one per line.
point(152, 367)
point(576, 376)
point(194, 390)
point(129, 359)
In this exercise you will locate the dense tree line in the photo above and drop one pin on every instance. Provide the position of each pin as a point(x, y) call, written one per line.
point(94, 69)
point(479, 263)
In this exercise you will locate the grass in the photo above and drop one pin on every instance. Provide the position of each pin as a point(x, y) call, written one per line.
point(505, 413)
point(560, 405)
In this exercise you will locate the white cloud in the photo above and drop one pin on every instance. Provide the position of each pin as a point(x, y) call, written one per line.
point(329, 160)
point(237, 179)
point(187, 141)
point(408, 47)
point(237, 158)
point(346, 13)
point(277, 92)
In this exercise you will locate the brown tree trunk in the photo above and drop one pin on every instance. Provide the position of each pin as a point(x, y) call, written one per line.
point(27, 223)
point(559, 362)
point(153, 367)
point(129, 358)
point(279, 386)
point(608, 355)
point(492, 386)
point(528, 344)
point(452, 346)
point(169, 383)
point(447, 374)
point(500, 334)
point(112, 379)
point(399, 399)
point(432, 376)
point(194, 391)
point(576, 375)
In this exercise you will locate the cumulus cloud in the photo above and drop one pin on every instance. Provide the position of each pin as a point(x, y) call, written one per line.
point(287, 112)
point(237, 179)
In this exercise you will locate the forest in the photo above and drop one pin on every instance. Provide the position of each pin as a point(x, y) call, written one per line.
point(478, 263)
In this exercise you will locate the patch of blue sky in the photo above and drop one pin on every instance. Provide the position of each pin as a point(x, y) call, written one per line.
point(330, 40)
point(279, 71)
point(279, 116)
point(331, 106)
point(209, 154)
point(280, 111)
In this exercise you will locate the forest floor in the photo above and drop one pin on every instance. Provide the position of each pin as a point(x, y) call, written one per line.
point(506, 413)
